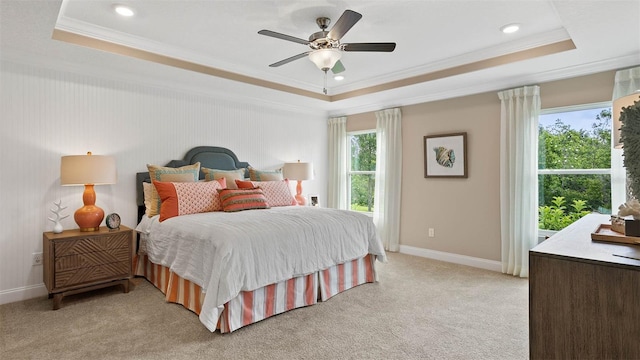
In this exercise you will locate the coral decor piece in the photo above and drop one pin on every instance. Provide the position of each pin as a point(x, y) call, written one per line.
point(57, 226)
point(631, 207)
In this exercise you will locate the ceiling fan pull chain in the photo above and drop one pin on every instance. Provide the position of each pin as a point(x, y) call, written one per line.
point(324, 89)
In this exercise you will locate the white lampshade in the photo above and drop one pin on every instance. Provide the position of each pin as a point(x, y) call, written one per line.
point(87, 169)
point(298, 171)
point(325, 59)
point(618, 104)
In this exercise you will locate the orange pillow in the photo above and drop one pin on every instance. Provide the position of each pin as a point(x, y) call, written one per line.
point(183, 198)
point(186, 173)
point(242, 199)
point(278, 193)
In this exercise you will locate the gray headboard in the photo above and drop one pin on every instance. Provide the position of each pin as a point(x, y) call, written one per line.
point(212, 157)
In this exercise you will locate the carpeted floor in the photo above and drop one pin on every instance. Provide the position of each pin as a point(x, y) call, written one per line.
point(419, 309)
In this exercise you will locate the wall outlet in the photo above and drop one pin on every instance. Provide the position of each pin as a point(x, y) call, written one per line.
point(37, 259)
point(432, 232)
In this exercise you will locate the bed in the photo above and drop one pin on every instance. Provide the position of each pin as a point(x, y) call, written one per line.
point(236, 268)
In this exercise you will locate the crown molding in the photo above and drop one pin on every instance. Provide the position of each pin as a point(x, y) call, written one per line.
point(245, 95)
point(398, 100)
point(102, 34)
point(516, 46)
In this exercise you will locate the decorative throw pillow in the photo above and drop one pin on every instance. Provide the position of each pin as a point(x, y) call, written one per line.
point(189, 173)
point(183, 198)
point(265, 175)
point(150, 197)
point(277, 193)
point(242, 199)
point(230, 175)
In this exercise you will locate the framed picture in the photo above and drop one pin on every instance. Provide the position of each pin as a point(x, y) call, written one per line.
point(313, 200)
point(445, 155)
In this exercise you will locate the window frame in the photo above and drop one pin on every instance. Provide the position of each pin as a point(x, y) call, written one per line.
point(611, 171)
point(358, 172)
point(563, 109)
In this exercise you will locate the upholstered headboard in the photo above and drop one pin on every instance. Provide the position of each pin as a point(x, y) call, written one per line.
point(211, 157)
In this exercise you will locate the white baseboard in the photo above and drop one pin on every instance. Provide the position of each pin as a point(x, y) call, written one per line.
point(452, 258)
point(22, 293)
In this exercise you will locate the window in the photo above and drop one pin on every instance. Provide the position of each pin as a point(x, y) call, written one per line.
point(574, 164)
point(362, 170)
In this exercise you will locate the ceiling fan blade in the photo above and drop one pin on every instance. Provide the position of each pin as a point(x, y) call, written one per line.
point(381, 47)
point(344, 23)
point(283, 37)
point(338, 67)
point(288, 60)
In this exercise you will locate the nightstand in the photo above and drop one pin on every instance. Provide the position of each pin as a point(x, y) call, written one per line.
point(76, 261)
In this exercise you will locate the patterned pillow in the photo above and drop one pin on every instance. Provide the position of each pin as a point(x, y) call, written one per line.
point(264, 175)
point(183, 198)
point(242, 199)
point(187, 173)
point(230, 175)
point(277, 193)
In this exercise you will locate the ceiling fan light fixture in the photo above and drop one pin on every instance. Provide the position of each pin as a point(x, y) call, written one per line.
point(325, 59)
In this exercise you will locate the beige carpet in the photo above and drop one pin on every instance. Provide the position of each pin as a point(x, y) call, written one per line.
point(420, 309)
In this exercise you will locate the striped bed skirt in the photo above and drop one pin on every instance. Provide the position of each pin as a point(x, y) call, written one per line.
point(252, 306)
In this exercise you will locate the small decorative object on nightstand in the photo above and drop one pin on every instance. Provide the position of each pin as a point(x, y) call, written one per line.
point(76, 261)
point(112, 221)
point(57, 226)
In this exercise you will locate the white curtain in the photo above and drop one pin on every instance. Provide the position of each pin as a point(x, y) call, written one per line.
point(627, 81)
point(337, 191)
point(386, 213)
point(519, 113)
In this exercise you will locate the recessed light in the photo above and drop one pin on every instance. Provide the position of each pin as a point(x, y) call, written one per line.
point(338, 78)
point(123, 10)
point(510, 28)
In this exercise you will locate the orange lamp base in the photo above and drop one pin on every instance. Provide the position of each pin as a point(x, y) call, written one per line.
point(299, 198)
point(89, 217)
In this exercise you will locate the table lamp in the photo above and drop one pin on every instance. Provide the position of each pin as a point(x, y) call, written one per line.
point(88, 170)
point(298, 171)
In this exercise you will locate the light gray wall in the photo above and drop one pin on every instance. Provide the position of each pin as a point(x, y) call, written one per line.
point(47, 113)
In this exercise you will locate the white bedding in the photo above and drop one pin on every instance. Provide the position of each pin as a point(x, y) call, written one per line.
point(225, 253)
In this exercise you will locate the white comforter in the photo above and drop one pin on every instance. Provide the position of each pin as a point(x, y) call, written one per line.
point(225, 253)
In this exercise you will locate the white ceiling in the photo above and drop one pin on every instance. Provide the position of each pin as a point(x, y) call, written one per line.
point(431, 35)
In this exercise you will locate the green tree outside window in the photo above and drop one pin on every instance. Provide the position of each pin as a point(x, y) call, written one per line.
point(565, 198)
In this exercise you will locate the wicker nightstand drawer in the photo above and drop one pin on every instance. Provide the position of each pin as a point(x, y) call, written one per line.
point(76, 261)
point(82, 275)
point(97, 258)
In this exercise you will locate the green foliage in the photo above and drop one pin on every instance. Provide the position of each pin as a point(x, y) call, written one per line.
point(630, 136)
point(363, 158)
point(561, 147)
point(555, 217)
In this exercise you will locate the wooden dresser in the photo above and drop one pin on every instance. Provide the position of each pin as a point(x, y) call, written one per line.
point(76, 261)
point(584, 302)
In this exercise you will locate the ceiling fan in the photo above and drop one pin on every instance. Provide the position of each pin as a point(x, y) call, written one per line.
point(326, 48)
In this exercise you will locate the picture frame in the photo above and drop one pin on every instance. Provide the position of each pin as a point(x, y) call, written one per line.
point(445, 155)
point(314, 200)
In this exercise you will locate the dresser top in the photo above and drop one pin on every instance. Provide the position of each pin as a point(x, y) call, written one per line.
point(575, 242)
